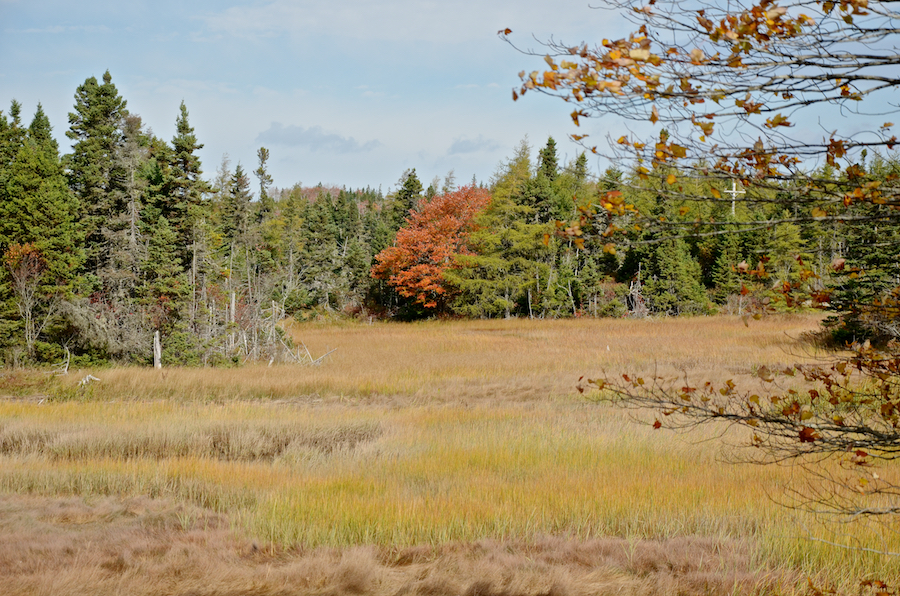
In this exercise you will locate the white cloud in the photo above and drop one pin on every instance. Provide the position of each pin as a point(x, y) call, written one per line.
point(313, 138)
point(462, 145)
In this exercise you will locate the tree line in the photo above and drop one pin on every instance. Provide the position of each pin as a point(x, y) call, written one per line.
point(124, 237)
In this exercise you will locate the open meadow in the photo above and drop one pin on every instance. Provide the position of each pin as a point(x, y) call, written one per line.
point(431, 458)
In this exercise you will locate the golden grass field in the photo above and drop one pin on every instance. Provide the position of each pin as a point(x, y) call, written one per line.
point(432, 458)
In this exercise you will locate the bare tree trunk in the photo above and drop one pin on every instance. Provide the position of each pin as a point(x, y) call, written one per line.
point(231, 322)
point(157, 350)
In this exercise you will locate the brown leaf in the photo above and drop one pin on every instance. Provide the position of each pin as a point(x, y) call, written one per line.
point(809, 435)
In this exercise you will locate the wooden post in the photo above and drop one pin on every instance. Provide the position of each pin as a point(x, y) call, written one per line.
point(157, 350)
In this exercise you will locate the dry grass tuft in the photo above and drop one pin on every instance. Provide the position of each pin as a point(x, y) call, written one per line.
point(180, 436)
point(142, 547)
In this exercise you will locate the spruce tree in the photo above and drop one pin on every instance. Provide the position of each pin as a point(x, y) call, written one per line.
point(266, 205)
point(236, 208)
point(37, 207)
point(725, 279)
point(673, 285)
point(93, 172)
point(38, 222)
point(124, 231)
point(165, 285)
point(865, 274)
point(12, 134)
point(548, 162)
point(405, 199)
point(185, 187)
point(321, 272)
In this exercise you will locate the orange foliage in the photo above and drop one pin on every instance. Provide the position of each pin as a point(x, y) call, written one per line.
point(427, 246)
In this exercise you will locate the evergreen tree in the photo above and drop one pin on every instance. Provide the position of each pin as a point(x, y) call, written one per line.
point(185, 188)
point(405, 199)
point(783, 247)
point(725, 279)
point(94, 174)
point(673, 285)
point(545, 192)
point(668, 271)
point(12, 134)
point(266, 203)
point(548, 163)
point(39, 234)
point(123, 233)
point(321, 271)
point(236, 208)
point(509, 269)
point(865, 284)
point(580, 169)
point(165, 285)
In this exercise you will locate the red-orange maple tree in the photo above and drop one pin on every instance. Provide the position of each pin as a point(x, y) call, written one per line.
point(435, 233)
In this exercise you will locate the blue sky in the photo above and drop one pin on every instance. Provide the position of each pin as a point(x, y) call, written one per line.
point(349, 93)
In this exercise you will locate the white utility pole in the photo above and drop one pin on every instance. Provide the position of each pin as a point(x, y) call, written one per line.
point(734, 192)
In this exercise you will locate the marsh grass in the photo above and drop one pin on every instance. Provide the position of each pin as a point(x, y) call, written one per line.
point(435, 434)
point(468, 361)
point(142, 546)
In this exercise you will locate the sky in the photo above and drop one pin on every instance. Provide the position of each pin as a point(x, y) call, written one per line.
point(348, 93)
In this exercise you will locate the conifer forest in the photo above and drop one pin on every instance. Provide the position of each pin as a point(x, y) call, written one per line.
point(129, 235)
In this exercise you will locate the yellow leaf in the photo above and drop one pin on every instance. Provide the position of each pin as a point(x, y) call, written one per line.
point(716, 193)
point(623, 140)
point(639, 54)
point(818, 212)
point(671, 179)
point(654, 115)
